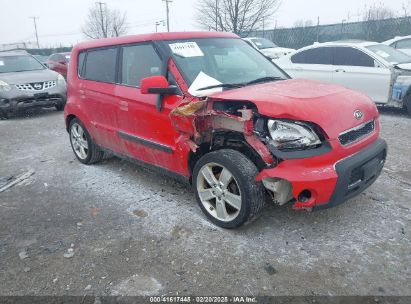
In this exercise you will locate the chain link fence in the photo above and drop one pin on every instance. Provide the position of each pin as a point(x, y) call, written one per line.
point(375, 30)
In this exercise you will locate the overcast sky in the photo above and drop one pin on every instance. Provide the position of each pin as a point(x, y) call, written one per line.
point(60, 21)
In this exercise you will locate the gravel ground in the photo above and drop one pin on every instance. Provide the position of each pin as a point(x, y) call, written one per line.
point(118, 229)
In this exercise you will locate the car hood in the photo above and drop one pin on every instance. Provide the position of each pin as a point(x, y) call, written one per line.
point(28, 76)
point(404, 66)
point(331, 107)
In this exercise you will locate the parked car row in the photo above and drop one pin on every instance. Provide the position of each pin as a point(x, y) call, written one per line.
point(26, 83)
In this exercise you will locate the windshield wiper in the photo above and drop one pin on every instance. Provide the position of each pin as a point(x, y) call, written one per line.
point(264, 79)
point(222, 85)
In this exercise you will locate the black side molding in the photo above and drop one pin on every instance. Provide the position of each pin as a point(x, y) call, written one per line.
point(145, 142)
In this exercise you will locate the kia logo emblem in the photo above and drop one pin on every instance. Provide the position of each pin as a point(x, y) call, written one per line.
point(358, 115)
point(38, 86)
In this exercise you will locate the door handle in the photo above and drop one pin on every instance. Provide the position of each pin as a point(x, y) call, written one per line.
point(340, 71)
point(123, 105)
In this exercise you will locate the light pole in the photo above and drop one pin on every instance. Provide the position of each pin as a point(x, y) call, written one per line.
point(168, 13)
point(35, 29)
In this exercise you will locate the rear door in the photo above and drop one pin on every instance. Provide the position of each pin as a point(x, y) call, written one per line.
point(357, 70)
point(315, 64)
point(98, 92)
point(146, 133)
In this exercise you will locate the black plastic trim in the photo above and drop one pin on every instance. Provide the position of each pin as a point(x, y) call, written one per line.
point(154, 168)
point(146, 142)
point(344, 168)
point(301, 154)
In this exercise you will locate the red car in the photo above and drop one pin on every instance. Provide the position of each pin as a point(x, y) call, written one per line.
point(209, 109)
point(59, 62)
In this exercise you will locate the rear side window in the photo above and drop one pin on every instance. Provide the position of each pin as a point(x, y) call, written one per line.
point(139, 61)
point(80, 64)
point(352, 57)
point(321, 55)
point(404, 44)
point(101, 65)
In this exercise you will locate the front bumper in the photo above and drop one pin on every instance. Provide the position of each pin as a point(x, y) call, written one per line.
point(330, 182)
point(15, 100)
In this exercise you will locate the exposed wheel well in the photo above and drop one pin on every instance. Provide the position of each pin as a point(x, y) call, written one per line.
point(68, 120)
point(226, 140)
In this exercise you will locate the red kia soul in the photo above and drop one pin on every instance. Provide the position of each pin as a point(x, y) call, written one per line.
point(211, 110)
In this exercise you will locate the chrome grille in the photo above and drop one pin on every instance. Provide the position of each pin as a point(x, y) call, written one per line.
point(355, 134)
point(37, 86)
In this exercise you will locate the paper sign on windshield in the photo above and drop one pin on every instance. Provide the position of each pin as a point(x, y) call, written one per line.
point(186, 49)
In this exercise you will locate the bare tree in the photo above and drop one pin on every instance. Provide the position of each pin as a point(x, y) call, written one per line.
point(103, 22)
point(237, 16)
point(378, 22)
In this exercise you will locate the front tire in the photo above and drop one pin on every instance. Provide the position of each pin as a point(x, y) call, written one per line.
point(226, 189)
point(86, 151)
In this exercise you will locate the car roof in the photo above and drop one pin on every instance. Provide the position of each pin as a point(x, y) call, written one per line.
point(361, 43)
point(398, 38)
point(151, 37)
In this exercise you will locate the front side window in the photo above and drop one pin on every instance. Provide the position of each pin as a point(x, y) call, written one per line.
point(389, 54)
point(349, 56)
point(321, 55)
point(10, 64)
point(101, 65)
point(225, 60)
point(139, 61)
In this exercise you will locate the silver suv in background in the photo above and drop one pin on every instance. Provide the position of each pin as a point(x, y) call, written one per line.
point(27, 83)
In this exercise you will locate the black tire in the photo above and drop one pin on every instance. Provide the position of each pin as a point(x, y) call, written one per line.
point(407, 104)
point(3, 115)
point(95, 154)
point(244, 172)
point(60, 106)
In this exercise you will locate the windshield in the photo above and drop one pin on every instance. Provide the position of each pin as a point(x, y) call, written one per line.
point(222, 60)
point(263, 43)
point(10, 64)
point(389, 54)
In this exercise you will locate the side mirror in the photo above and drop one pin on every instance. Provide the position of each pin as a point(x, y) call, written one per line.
point(157, 85)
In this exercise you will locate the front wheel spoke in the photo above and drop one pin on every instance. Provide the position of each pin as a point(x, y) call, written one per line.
point(84, 144)
point(209, 175)
point(83, 152)
point(225, 178)
point(206, 195)
point(233, 200)
point(221, 210)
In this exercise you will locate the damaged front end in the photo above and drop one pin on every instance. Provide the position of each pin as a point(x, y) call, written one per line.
point(211, 124)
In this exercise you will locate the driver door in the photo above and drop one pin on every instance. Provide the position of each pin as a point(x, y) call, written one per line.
point(145, 133)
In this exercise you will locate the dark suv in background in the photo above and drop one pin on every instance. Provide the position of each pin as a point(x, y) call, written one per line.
point(26, 83)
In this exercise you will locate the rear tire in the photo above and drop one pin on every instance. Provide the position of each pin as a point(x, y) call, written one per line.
point(407, 104)
point(60, 106)
point(226, 189)
point(86, 151)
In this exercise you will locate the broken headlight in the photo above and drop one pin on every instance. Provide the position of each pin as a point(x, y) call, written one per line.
point(292, 135)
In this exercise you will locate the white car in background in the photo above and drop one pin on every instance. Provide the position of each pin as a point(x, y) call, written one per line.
point(378, 70)
point(267, 47)
point(402, 44)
